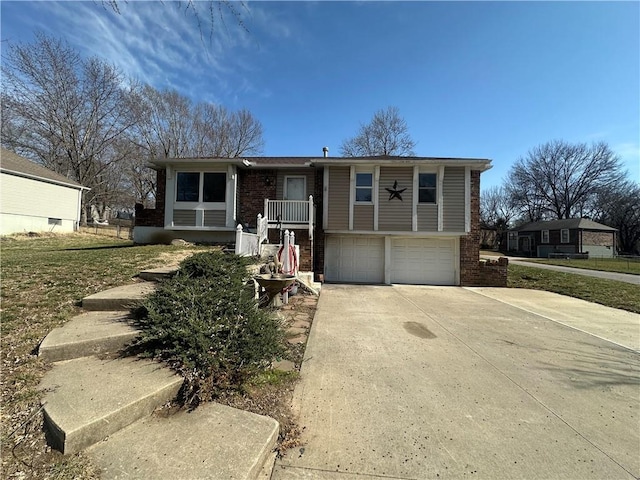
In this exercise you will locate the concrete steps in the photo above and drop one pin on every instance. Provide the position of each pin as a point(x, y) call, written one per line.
point(118, 298)
point(105, 405)
point(90, 333)
point(87, 399)
point(214, 441)
point(157, 274)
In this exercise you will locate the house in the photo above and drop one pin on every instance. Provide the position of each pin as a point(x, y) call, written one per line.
point(36, 199)
point(566, 236)
point(367, 220)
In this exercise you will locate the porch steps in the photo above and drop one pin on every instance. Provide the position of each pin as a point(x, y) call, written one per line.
point(105, 405)
point(118, 298)
point(306, 278)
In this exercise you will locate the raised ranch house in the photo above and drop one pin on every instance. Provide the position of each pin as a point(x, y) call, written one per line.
point(36, 199)
point(571, 236)
point(367, 220)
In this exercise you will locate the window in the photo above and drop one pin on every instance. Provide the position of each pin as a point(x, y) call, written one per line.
point(427, 185)
point(188, 187)
point(545, 236)
point(201, 187)
point(364, 187)
point(213, 189)
point(564, 235)
point(54, 221)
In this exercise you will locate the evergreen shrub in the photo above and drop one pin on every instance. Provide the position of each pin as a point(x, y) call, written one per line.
point(207, 325)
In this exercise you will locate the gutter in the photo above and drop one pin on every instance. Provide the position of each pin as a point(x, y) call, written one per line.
point(44, 179)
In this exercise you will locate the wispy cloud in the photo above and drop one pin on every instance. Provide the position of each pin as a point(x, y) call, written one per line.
point(202, 53)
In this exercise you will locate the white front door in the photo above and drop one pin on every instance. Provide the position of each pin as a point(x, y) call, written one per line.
point(295, 188)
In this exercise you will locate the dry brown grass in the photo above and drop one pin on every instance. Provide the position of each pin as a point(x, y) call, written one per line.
point(44, 277)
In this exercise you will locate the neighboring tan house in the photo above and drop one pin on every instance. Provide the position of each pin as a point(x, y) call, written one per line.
point(567, 236)
point(36, 199)
point(366, 220)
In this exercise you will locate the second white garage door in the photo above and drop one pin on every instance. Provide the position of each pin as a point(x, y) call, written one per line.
point(423, 261)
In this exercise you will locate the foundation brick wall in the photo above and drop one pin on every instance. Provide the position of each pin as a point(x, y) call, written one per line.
point(318, 238)
point(302, 240)
point(153, 217)
point(493, 273)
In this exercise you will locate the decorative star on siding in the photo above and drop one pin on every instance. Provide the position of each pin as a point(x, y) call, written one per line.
point(394, 192)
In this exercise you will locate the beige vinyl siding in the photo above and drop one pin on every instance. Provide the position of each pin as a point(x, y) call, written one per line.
point(453, 199)
point(25, 196)
point(294, 172)
point(184, 218)
point(363, 217)
point(395, 215)
point(338, 208)
point(215, 218)
point(427, 217)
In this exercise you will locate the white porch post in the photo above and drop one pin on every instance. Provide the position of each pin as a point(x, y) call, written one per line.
point(239, 239)
point(286, 266)
point(266, 208)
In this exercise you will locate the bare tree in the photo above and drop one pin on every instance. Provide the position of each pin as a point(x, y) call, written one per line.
point(225, 134)
point(213, 13)
point(66, 112)
point(170, 125)
point(560, 180)
point(165, 126)
point(619, 207)
point(497, 212)
point(386, 134)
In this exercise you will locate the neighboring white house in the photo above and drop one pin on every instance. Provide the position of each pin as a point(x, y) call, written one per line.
point(36, 199)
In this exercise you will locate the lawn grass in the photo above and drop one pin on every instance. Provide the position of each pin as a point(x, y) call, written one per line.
point(618, 265)
point(43, 280)
point(625, 296)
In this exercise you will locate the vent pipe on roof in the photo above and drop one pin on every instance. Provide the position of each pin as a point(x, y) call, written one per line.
point(325, 151)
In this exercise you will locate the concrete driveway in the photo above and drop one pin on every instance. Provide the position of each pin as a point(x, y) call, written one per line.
point(429, 382)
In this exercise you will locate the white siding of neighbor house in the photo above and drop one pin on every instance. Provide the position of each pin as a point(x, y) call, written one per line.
point(27, 205)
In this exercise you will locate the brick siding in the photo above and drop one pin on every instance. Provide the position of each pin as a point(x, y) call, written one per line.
point(470, 243)
point(253, 187)
point(318, 240)
point(602, 239)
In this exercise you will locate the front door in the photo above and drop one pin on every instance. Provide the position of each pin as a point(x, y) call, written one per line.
point(295, 188)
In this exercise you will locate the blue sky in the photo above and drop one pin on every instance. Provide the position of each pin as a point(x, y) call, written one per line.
point(472, 79)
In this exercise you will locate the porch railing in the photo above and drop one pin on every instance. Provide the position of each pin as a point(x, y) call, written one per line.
point(290, 212)
point(247, 244)
point(250, 244)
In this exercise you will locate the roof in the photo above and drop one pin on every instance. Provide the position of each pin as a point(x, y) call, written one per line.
point(481, 164)
point(14, 164)
point(284, 162)
point(570, 223)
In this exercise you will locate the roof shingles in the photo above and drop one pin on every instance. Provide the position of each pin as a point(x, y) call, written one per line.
point(11, 162)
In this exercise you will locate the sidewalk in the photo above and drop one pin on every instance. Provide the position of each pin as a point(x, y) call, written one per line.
point(620, 277)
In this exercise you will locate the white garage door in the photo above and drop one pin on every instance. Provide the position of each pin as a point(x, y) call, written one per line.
point(423, 261)
point(354, 259)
